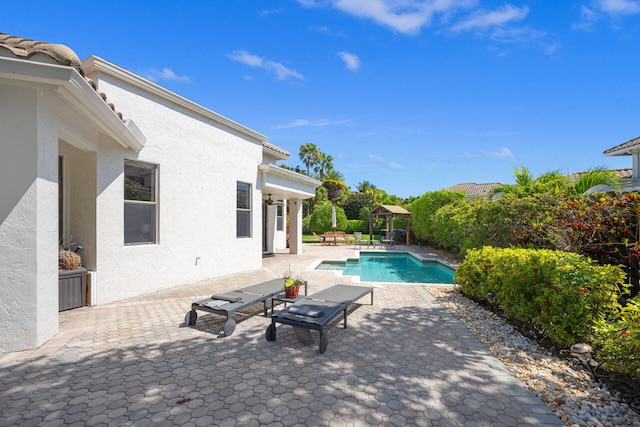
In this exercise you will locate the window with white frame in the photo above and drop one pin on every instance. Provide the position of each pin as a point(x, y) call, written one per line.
point(280, 218)
point(140, 202)
point(243, 210)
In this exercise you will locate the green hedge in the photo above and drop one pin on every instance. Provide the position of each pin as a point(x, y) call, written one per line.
point(563, 295)
point(560, 294)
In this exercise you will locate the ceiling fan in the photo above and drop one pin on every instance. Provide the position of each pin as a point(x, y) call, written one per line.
point(270, 202)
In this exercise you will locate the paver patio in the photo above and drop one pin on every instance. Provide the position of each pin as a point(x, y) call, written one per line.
point(403, 361)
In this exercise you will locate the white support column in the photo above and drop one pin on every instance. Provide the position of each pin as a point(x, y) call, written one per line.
point(635, 176)
point(28, 221)
point(295, 226)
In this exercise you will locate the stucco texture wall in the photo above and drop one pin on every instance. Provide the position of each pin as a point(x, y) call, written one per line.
point(199, 163)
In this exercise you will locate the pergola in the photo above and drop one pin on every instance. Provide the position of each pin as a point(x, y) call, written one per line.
point(389, 212)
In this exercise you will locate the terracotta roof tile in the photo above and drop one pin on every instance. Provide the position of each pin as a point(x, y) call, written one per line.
point(30, 49)
point(622, 173)
point(27, 48)
point(625, 145)
point(274, 148)
point(471, 189)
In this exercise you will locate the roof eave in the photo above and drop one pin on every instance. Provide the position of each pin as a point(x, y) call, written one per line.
point(74, 88)
point(96, 64)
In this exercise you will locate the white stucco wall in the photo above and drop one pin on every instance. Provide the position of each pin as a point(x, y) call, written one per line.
point(28, 219)
point(199, 164)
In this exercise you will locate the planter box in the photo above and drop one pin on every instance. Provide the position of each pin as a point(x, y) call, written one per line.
point(72, 289)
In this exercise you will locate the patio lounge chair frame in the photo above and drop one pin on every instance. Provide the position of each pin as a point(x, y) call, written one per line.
point(317, 311)
point(227, 303)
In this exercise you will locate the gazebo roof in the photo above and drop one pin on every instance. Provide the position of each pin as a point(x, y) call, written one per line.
point(389, 210)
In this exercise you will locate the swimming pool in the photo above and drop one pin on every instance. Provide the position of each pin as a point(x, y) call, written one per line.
point(398, 267)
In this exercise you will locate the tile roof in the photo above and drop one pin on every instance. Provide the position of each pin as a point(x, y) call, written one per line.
point(614, 151)
point(471, 189)
point(28, 49)
point(622, 173)
point(270, 146)
point(33, 50)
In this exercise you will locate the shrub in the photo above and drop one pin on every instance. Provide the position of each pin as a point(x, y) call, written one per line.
point(423, 212)
point(320, 220)
point(357, 225)
point(617, 341)
point(558, 294)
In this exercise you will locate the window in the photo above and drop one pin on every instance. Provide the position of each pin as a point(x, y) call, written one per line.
point(140, 202)
point(243, 210)
point(279, 218)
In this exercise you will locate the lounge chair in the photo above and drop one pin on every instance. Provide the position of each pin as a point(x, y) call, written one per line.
point(229, 302)
point(317, 311)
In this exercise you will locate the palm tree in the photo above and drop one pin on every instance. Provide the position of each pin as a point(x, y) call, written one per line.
point(324, 164)
point(309, 154)
point(333, 181)
point(365, 187)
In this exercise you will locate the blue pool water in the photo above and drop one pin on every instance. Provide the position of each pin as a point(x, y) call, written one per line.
point(392, 267)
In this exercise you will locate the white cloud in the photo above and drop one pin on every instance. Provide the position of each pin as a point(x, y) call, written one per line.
point(294, 124)
point(552, 48)
point(482, 20)
point(619, 7)
point(374, 158)
point(166, 74)
point(304, 122)
point(404, 16)
point(599, 8)
point(520, 35)
point(351, 60)
point(309, 3)
point(503, 154)
point(281, 72)
point(267, 12)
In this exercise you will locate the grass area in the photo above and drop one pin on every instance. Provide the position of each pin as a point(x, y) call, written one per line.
point(309, 238)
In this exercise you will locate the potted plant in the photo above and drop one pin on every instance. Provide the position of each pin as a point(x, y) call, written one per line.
point(72, 280)
point(291, 284)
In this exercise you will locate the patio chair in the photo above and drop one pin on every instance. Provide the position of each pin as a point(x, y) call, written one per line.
point(341, 238)
point(329, 237)
point(389, 239)
point(229, 302)
point(317, 311)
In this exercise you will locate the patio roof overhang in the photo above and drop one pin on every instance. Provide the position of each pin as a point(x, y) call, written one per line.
point(286, 184)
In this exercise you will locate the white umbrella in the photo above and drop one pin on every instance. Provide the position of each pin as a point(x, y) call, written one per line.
point(333, 218)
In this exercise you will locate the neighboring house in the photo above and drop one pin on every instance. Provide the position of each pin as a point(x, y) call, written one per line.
point(623, 174)
point(159, 190)
point(473, 190)
point(629, 148)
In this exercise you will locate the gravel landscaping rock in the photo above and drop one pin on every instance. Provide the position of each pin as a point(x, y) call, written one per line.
point(562, 384)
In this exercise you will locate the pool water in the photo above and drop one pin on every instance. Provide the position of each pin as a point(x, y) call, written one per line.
point(391, 267)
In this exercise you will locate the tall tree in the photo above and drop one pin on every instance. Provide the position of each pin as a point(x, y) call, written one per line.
point(324, 164)
point(365, 187)
point(309, 154)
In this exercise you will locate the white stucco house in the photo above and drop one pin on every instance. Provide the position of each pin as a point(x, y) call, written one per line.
point(629, 148)
point(159, 191)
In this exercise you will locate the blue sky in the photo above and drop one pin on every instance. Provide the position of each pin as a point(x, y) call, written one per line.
point(412, 96)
